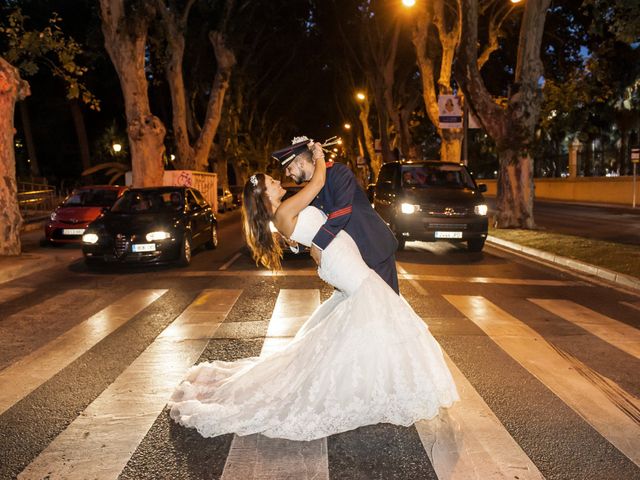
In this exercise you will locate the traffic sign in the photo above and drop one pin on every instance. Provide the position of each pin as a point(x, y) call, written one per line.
point(635, 155)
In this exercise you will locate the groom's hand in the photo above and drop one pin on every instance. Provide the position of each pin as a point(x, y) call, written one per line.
point(316, 254)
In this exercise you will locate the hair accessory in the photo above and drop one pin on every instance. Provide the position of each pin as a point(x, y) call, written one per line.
point(254, 180)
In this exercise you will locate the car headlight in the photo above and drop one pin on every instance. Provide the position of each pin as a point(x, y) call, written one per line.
point(159, 235)
point(409, 208)
point(480, 209)
point(54, 215)
point(90, 238)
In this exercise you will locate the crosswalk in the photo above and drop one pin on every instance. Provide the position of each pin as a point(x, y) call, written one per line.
point(504, 368)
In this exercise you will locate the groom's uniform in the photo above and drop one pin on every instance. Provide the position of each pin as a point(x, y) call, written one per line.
point(348, 209)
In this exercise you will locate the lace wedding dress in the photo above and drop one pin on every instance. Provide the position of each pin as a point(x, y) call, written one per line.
point(363, 357)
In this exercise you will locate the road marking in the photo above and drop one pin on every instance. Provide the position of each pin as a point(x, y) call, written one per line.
point(467, 441)
point(402, 276)
point(616, 333)
point(493, 280)
point(614, 413)
point(27, 374)
point(8, 294)
point(100, 441)
point(419, 288)
point(231, 260)
point(260, 457)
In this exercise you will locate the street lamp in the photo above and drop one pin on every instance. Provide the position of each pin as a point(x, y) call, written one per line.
point(116, 147)
point(347, 126)
point(516, 1)
point(411, 3)
point(360, 96)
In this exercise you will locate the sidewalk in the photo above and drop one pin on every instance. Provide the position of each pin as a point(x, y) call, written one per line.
point(35, 258)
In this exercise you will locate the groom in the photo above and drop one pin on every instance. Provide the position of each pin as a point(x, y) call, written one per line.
point(347, 208)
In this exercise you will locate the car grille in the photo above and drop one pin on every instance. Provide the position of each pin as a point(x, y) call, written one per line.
point(122, 244)
point(447, 212)
point(449, 226)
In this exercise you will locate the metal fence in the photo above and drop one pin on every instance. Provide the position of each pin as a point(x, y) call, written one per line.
point(36, 199)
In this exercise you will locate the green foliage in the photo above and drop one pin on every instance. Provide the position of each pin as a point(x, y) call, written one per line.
point(621, 18)
point(30, 50)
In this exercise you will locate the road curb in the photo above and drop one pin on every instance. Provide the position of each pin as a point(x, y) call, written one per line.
point(570, 264)
point(12, 268)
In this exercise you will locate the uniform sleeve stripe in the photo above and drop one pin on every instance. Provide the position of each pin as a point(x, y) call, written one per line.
point(341, 212)
point(329, 232)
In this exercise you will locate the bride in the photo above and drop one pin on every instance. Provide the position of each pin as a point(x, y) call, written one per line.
point(363, 357)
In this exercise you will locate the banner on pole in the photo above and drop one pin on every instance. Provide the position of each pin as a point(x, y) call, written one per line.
point(450, 111)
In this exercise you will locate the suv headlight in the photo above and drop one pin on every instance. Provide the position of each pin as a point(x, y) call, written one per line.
point(408, 208)
point(480, 209)
point(159, 235)
point(90, 238)
point(53, 216)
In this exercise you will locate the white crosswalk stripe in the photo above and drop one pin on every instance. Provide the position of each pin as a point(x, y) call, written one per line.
point(618, 334)
point(99, 443)
point(467, 441)
point(26, 375)
point(257, 456)
point(597, 399)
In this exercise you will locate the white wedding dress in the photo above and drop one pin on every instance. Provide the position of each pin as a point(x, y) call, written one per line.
point(363, 357)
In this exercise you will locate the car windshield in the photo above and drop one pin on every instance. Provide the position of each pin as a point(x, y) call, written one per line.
point(427, 176)
point(91, 198)
point(149, 202)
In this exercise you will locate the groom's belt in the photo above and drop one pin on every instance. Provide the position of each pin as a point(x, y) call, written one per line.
point(341, 212)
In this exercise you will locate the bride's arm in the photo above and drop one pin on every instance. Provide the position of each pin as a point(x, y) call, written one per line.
point(292, 206)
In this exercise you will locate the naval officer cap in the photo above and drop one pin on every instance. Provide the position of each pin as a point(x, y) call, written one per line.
point(287, 154)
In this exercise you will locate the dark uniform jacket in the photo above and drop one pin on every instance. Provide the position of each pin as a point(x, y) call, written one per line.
point(348, 209)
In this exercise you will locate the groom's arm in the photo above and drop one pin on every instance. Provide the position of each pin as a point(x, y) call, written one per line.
point(343, 187)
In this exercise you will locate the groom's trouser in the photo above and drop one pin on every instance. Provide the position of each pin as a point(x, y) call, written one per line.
point(387, 270)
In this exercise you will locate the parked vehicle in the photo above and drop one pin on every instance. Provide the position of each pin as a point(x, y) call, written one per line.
point(69, 220)
point(225, 200)
point(152, 225)
point(432, 201)
point(236, 191)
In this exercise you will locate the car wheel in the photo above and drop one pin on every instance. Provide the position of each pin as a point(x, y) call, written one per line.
point(475, 244)
point(185, 251)
point(213, 240)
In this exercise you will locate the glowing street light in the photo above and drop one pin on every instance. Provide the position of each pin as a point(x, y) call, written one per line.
point(347, 126)
point(360, 96)
point(411, 3)
point(116, 147)
point(516, 1)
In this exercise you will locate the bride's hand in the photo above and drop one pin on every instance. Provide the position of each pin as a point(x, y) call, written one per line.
point(316, 151)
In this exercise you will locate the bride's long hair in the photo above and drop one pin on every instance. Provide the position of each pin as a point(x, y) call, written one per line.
point(256, 217)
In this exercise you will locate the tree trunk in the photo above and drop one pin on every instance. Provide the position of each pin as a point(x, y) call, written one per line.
point(515, 191)
point(34, 167)
point(12, 89)
point(451, 148)
point(368, 138)
point(512, 128)
point(81, 132)
point(125, 36)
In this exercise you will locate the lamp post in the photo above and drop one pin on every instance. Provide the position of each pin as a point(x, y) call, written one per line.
point(117, 148)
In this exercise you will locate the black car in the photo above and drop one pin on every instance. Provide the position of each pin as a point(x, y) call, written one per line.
point(432, 201)
point(151, 225)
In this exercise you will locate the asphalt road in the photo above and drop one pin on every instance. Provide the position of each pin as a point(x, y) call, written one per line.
point(546, 365)
point(599, 222)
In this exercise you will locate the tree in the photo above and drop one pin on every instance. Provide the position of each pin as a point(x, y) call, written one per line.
point(512, 128)
point(125, 26)
point(436, 36)
point(12, 89)
point(174, 22)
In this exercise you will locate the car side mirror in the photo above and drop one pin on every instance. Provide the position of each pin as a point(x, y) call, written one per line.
point(482, 187)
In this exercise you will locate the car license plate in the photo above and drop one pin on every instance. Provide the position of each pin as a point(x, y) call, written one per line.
point(143, 247)
point(448, 234)
point(72, 231)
